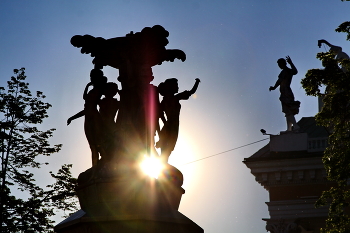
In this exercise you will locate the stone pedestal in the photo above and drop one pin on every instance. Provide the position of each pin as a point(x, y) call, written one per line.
point(289, 142)
point(128, 203)
point(173, 222)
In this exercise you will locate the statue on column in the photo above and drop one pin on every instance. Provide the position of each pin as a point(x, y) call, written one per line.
point(114, 194)
point(126, 128)
point(290, 107)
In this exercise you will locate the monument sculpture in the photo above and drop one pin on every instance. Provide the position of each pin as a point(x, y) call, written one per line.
point(290, 107)
point(115, 196)
point(336, 50)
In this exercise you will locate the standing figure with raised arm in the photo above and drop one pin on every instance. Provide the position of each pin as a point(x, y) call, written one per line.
point(290, 107)
point(93, 120)
point(336, 50)
point(171, 106)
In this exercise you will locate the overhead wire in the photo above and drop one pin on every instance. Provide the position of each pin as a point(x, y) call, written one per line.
point(225, 151)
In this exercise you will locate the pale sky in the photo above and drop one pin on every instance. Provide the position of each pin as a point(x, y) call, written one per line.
point(232, 46)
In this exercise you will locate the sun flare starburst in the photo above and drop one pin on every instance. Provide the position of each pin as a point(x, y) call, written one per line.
point(151, 166)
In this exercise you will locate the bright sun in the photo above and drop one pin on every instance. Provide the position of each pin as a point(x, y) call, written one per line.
point(183, 153)
point(151, 166)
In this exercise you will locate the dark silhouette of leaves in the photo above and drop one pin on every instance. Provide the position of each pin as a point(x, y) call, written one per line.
point(20, 144)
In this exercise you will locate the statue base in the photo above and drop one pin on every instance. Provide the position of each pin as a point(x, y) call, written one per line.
point(173, 222)
point(124, 200)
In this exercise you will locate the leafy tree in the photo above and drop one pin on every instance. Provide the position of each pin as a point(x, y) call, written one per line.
point(335, 115)
point(21, 142)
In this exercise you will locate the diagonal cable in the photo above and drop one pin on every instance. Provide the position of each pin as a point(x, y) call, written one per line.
point(225, 151)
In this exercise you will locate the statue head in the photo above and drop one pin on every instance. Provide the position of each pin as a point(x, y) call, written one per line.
point(168, 87)
point(97, 78)
point(282, 63)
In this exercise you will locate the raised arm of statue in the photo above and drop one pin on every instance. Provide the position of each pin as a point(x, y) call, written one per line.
point(292, 66)
point(185, 95)
point(320, 42)
point(195, 86)
point(337, 51)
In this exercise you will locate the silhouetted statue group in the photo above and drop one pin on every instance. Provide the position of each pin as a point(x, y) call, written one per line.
point(124, 129)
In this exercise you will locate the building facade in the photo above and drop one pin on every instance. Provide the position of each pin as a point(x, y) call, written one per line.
point(290, 168)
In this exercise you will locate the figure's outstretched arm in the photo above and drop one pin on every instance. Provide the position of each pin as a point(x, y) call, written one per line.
point(79, 114)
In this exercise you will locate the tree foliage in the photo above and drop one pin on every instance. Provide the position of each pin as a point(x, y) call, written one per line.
point(21, 142)
point(344, 27)
point(335, 115)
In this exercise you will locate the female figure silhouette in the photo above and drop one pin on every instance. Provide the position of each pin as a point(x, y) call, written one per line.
point(93, 120)
point(290, 107)
point(171, 106)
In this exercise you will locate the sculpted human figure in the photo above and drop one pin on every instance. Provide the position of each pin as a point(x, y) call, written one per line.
point(336, 50)
point(93, 120)
point(108, 110)
point(289, 106)
point(171, 106)
point(109, 105)
point(133, 55)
